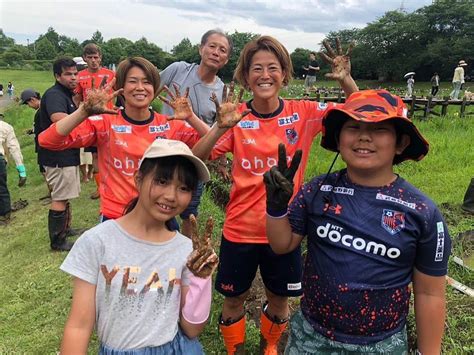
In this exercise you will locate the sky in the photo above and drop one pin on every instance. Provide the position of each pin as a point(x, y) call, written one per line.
point(297, 24)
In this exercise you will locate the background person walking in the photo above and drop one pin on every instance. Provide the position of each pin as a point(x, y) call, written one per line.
point(312, 68)
point(434, 84)
point(458, 80)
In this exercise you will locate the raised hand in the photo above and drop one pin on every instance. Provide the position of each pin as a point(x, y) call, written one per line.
point(97, 98)
point(203, 260)
point(180, 104)
point(228, 114)
point(340, 63)
point(279, 180)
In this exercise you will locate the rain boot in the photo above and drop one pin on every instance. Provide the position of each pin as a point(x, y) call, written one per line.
point(233, 333)
point(468, 204)
point(4, 220)
point(271, 329)
point(57, 232)
point(71, 232)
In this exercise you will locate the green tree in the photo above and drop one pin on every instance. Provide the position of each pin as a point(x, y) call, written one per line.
point(300, 57)
point(45, 50)
point(69, 46)
point(5, 41)
point(147, 50)
point(114, 50)
point(53, 37)
point(239, 39)
point(97, 38)
point(186, 51)
point(12, 56)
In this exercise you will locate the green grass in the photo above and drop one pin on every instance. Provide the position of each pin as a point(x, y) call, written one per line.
point(35, 296)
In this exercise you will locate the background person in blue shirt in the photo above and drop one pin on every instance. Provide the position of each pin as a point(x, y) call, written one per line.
point(370, 234)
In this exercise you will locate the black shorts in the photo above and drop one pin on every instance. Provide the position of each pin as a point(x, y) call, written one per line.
point(92, 149)
point(238, 264)
point(41, 169)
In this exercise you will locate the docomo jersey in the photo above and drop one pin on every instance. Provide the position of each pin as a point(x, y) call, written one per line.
point(254, 145)
point(84, 81)
point(121, 142)
point(363, 243)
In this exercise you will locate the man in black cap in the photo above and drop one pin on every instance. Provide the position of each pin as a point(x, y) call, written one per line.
point(32, 98)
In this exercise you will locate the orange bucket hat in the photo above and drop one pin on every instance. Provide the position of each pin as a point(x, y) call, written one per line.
point(374, 106)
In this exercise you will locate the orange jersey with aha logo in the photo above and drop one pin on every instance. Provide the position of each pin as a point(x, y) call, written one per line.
point(121, 142)
point(254, 145)
point(84, 81)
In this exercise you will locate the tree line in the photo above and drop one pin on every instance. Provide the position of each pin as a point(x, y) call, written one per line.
point(431, 39)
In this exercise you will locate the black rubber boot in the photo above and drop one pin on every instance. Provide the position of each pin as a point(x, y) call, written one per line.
point(468, 204)
point(57, 232)
point(71, 232)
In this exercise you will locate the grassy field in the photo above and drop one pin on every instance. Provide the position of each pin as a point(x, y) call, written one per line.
point(35, 295)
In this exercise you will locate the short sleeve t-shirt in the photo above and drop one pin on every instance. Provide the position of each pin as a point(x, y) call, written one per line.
point(315, 64)
point(254, 145)
point(121, 142)
point(185, 75)
point(138, 284)
point(363, 243)
point(57, 99)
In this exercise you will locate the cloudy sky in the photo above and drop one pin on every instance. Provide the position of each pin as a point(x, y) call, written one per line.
point(296, 23)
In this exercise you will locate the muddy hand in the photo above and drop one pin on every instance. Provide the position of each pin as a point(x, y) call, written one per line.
point(203, 260)
point(228, 114)
point(97, 99)
point(180, 104)
point(279, 180)
point(340, 63)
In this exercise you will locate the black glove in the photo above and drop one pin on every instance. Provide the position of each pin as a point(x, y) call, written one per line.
point(279, 182)
point(21, 181)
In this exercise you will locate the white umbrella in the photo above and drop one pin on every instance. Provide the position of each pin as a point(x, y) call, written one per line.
point(409, 74)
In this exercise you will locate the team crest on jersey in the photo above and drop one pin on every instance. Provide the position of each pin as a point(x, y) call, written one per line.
point(285, 121)
point(291, 135)
point(393, 221)
point(322, 106)
point(122, 128)
point(159, 129)
point(249, 124)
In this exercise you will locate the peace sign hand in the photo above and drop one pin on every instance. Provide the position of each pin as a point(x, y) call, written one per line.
point(279, 181)
point(97, 98)
point(180, 104)
point(340, 63)
point(203, 260)
point(228, 114)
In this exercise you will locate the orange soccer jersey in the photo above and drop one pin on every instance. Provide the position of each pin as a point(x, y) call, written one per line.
point(121, 142)
point(254, 145)
point(84, 81)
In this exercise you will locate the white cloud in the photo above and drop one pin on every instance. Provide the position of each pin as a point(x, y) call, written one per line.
point(295, 23)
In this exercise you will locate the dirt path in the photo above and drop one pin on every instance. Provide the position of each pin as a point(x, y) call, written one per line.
point(4, 102)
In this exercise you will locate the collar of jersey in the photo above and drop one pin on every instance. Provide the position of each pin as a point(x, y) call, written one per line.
point(138, 123)
point(267, 115)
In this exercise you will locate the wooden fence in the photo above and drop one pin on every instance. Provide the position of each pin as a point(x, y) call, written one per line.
point(426, 105)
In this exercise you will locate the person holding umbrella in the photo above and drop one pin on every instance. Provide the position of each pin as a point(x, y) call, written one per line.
point(410, 83)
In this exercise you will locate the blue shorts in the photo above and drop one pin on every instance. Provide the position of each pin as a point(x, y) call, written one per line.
point(180, 344)
point(194, 204)
point(238, 265)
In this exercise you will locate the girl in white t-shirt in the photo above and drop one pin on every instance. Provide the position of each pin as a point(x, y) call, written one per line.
point(144, 287)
